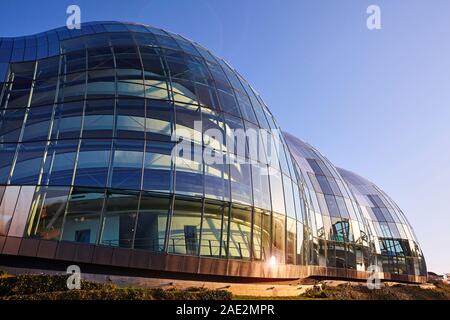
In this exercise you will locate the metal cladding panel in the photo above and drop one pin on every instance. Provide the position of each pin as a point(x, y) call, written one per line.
point(20, 217)
point(7, 208)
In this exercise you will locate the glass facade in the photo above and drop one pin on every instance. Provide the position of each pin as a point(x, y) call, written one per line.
point(92, 117)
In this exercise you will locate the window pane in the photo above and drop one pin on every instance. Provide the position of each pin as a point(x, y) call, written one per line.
point(67, 121)
point(47, 213)
point(98, 119)
point(212, 229)
point(159, 120)
point(236, 139)
point(217, 183)
point(241, 184)
point(289, 197)
point(158, 167)
point(261, 190)
point(290, 241)
point(261, 235)
point(127, 164)
point(213, 130)
point(151, 225)
point(188, 123)
point(240, 233)
point(130, 119)
point(276, 191)
point(38, 123)
point(28, 163)
point(189, 169)
point(119, 219)
point(7, 153)
point(301, 245)
point(278, 237)
point(59, 163)
point(93, 163)
point(11, 121)
point(324, 185)
point(101, 84)
point(185, 227)
point(83, 216)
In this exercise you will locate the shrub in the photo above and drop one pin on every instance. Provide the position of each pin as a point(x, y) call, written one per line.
point(32, 284)
point(396, 292)
point(54, 287)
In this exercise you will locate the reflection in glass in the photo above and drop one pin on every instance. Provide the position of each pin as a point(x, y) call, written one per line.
point(185, 227)
point(47, 213)
point(119, 219)
point(151, 224)
point(82, 219)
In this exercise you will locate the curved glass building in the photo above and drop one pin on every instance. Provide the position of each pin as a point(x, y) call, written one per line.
point(91, 173)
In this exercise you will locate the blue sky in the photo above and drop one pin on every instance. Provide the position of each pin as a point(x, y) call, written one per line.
point(375, 102)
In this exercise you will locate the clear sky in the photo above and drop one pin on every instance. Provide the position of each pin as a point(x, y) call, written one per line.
point(375, 102)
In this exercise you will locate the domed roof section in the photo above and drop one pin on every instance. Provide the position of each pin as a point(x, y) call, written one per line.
point(318, 173)
point(378, 207)
point(62, 40)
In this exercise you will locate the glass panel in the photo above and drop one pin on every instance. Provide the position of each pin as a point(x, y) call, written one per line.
point(289, 197)
point(213, 130)
point(82, 219)
point(217, 185)
point(301, 244)
point(241, 183)
point(11, 121)
point(212, 229)
point(153, 66)
point(156, 89)
point(7, 153)
point(236, 139)
point(100, 58)
point(278, 237)
point(101, 84)
point(291, 240)
point(93, 163)
point(189, 169)
point(98, 119)
point(119, 219)
point(59, 163)
point(261, 235)
point(240, 233)
point(188, 123)
point(38, 123)
point(276, 190)
point(130, 119)
point(72, 87)
point(28, 163)
point(44, 91)
point(159, 120)
point(332, 206)
point(47, 213)
point(185, 227)
point(158, 167)
point(67, 121)
point(127, 164)
point(324, 185)
point(151, 225)
point(261, 190)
